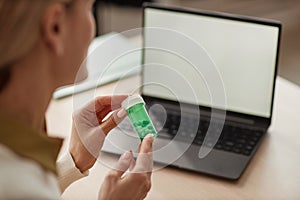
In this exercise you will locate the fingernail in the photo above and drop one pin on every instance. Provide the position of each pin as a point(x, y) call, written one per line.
point(126, 155)
point(150, 135)
point(121, 113)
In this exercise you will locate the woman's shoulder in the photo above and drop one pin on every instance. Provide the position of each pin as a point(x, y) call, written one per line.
point(24, 178)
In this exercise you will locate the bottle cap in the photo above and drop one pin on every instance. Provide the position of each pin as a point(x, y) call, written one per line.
point(131, 101)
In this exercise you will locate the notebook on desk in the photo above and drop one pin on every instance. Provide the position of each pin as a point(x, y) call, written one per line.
point(186, 54)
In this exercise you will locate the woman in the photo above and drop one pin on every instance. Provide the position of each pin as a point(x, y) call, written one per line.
point(42, 44)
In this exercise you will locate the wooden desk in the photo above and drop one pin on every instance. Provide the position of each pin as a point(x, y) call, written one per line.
point(273, 173)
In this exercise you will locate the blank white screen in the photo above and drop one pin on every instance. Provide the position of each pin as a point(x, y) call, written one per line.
point(244, 53)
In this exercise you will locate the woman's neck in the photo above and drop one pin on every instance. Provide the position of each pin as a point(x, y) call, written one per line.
point(28, 93)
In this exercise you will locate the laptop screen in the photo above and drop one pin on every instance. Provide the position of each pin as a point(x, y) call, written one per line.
point(244, 53)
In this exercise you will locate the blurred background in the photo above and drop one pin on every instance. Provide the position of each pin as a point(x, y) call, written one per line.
point(122, 15)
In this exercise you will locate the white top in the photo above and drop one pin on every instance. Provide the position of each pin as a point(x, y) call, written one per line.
point(131, 101)
point(22, 178)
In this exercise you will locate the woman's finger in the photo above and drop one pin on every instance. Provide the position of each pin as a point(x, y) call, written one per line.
point(123, 164)
point(113, 120)
point(132, 165)
point(144, 161)
point(103, 113)
point(96, 110)
point(114, 102)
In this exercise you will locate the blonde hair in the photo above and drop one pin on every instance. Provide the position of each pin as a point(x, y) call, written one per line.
point(19, 29)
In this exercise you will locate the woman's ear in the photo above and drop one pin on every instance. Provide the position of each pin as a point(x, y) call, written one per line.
point(53, 28)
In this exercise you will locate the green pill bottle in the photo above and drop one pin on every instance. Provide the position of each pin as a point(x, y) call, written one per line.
point(136, 111)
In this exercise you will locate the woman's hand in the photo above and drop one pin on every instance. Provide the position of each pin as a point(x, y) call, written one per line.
point(134, 185)
point(89, 129)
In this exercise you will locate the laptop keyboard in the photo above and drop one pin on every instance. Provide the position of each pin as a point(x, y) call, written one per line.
point(233, 139)
point(239, 140)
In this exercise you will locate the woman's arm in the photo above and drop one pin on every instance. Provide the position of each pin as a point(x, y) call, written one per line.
point(89, 130)
point(67, 172)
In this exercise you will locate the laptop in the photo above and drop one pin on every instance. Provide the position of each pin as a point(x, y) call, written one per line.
point(208, 81)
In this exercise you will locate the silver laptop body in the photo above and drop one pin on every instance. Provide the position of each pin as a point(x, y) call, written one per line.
point(201, 127)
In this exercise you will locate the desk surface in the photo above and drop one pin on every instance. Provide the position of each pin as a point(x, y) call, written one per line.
point(273, 173)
